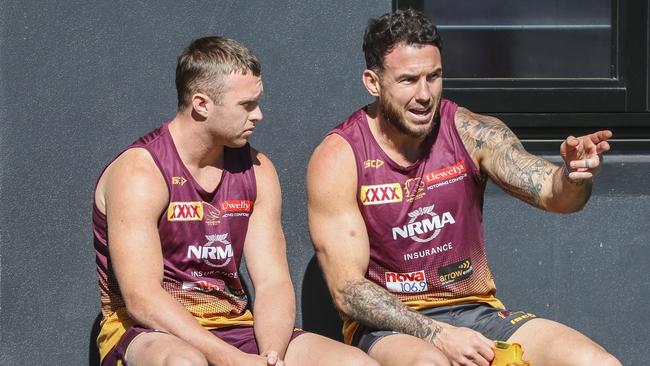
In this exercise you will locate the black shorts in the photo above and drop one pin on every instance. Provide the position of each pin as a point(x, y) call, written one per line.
point(493, 323)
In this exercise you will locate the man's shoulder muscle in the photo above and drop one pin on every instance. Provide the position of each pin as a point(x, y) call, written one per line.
point(332, 155)
point(132, 175)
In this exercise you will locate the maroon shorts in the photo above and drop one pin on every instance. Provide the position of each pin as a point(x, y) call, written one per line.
point(239, 336)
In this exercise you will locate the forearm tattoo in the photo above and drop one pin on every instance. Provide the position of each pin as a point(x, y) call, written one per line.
point(511, 167)
point(375, 307)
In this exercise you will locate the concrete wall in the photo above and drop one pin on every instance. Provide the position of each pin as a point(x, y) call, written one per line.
point(79, 80)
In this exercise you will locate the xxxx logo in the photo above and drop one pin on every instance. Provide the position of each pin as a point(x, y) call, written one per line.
point(380, 194)
point(185, 211)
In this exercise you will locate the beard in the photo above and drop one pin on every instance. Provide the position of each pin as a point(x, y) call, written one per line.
point(397, 120)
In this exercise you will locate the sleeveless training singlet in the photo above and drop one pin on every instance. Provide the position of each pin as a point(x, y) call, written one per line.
point(424, 221)
point(202, 238)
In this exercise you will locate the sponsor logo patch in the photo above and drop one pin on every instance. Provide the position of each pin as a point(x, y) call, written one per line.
point(203, 286)
point(414, 189)
point(380, 194)
point(217, 252)
point(237, 206)
point(455, 272)
point(424, 225)
point(445, 173)
point(411, 282)
point(516, 316)
point(212, 214)
point(179, 180)
point(185, 211)
point(373, 163)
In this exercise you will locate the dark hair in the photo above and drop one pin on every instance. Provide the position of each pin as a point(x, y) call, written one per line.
point(389, 30)
point(202, 66)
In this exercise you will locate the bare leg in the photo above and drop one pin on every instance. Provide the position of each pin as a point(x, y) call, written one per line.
point(161, 349)
point(406, 350)
point(549, 343)
point(310, 349)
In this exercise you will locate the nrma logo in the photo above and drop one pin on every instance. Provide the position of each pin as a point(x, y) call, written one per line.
point(217, 252)
point(424, 229)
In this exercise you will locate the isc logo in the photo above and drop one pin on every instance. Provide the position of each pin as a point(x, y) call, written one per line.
point(185, 211)
point(380, 194)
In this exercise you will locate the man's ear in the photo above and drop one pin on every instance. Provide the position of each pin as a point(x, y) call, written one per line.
point(201, 104)
point(371, 81)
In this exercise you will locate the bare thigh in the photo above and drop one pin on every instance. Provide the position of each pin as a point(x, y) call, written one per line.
point(546, 342)
point(162, 349)
point(311, 349)
point(405, 350)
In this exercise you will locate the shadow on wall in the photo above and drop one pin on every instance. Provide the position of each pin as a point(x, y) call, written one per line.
point(318, 312)
point(93, 351)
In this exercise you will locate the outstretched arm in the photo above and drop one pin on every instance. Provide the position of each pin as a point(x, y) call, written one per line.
point(500, 154)
point(266, 259)
point(342, 246)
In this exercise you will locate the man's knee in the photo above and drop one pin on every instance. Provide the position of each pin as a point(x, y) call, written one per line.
point(430, 358)
point(189, 357)
point(598, 357)
point(362, 360)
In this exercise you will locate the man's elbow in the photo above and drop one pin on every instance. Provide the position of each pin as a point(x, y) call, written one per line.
point(139, 306)
point(569, 207)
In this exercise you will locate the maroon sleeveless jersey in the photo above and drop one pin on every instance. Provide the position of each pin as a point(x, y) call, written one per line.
point(424, 221)
point(202, 239)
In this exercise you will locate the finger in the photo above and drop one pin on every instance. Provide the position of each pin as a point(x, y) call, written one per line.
point(602, 147)
point(479, 360)
point(580, 175)
point(599, 136)
point(588, 163)
point(272, 358)
point(486, 354)
point(571, 143)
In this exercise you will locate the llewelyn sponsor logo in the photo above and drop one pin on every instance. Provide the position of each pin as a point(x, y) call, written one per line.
point(185, 211)
point(444, 174)
point(237, 206)
point(424, 225)
point(411, 282)
point(217, 252)
point(380, 194)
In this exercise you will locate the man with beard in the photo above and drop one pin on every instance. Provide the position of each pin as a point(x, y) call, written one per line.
point(395, 198)
point(174, 213)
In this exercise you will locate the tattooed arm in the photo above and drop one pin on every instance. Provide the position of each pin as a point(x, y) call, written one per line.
point(342, 246)
point(499, 153)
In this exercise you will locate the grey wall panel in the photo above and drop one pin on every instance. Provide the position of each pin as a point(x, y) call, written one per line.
point(587, 270)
